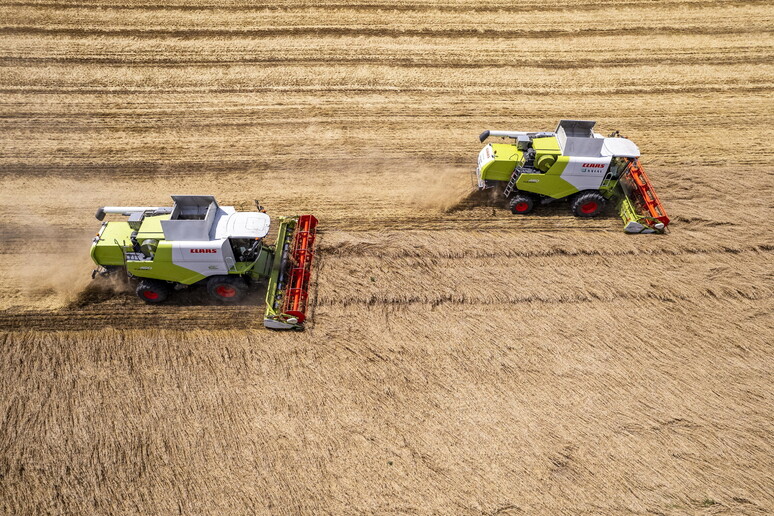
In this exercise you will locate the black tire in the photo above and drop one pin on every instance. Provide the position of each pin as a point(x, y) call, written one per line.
point(588, 204)
point(152, 291)
point(521, 204)
point(227, 289)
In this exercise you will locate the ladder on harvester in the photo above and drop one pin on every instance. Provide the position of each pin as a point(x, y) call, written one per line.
point(514, 177)
point(527, 162)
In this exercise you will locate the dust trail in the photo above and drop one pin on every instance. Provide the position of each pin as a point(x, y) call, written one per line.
point(98, 290)
point(52, 269)
point(54, 281)
point(441, 190)
point(475, 198)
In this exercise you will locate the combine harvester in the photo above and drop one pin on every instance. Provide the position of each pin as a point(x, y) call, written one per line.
point(198, 242)
point(572, 163)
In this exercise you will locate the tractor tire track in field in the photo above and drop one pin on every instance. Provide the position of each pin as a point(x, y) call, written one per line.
point(460, 7)
point(354, 61)
point(427, 277)
point(504, 34)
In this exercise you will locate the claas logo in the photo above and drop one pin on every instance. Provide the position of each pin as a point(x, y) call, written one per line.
point(594, 165)
point(204, 250)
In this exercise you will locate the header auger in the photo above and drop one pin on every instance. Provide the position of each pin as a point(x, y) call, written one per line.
point(198, 242)
point(572, 162)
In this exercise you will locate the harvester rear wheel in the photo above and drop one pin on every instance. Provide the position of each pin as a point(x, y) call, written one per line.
point(152, 291)
point(227, 289)
point(588, 204)
point(521, 204)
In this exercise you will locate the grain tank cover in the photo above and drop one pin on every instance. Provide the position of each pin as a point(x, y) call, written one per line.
point(191, 219)
point(583, 147)
point(576, 128)
point(192, 207)
point(576, 138)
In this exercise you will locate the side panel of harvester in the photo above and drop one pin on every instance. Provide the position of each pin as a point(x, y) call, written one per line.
point(164, 267)
point(551, 183)
point(565, 175)
point(497, 161)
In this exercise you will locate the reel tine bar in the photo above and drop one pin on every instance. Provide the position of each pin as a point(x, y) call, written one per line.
point(645, 194)
point(302, 252)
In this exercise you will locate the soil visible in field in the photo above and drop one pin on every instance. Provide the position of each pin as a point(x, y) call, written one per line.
point(459, 360)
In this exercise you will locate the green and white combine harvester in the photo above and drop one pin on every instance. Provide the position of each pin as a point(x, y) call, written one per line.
point(198, 242)
point(572, 162)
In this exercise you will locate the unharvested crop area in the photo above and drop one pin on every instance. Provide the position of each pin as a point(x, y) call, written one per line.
point(460, 360)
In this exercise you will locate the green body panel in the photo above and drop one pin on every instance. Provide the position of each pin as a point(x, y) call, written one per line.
point(608, 188)
point(114, 241)
point(151, 228)
point(259, 268)
point(548, 144)
point(547, 158)
point(549, 184)
point(546, 152)
point(161, 267)
point(104, 251)
point(506, 158)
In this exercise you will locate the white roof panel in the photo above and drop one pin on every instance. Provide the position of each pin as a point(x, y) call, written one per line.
point(246, 225)
point(620, 147)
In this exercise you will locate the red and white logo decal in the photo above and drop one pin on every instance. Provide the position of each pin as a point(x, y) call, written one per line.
point(204, 250)
point(593, 165)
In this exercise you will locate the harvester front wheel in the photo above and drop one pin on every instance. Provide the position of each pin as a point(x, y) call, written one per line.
point(152, 291)
point(227, 289)
point(521, 204)
point(588, 204)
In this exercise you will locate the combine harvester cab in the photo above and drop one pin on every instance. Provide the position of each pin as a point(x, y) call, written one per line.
point(575, 163)
point(198, 242)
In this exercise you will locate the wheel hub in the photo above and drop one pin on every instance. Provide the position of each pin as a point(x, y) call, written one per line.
point(225, 291)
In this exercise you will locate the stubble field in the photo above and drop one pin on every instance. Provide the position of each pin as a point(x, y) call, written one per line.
point(459, 360)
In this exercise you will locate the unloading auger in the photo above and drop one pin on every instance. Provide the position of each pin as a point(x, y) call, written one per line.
point(572, 162)
point(198, 242)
